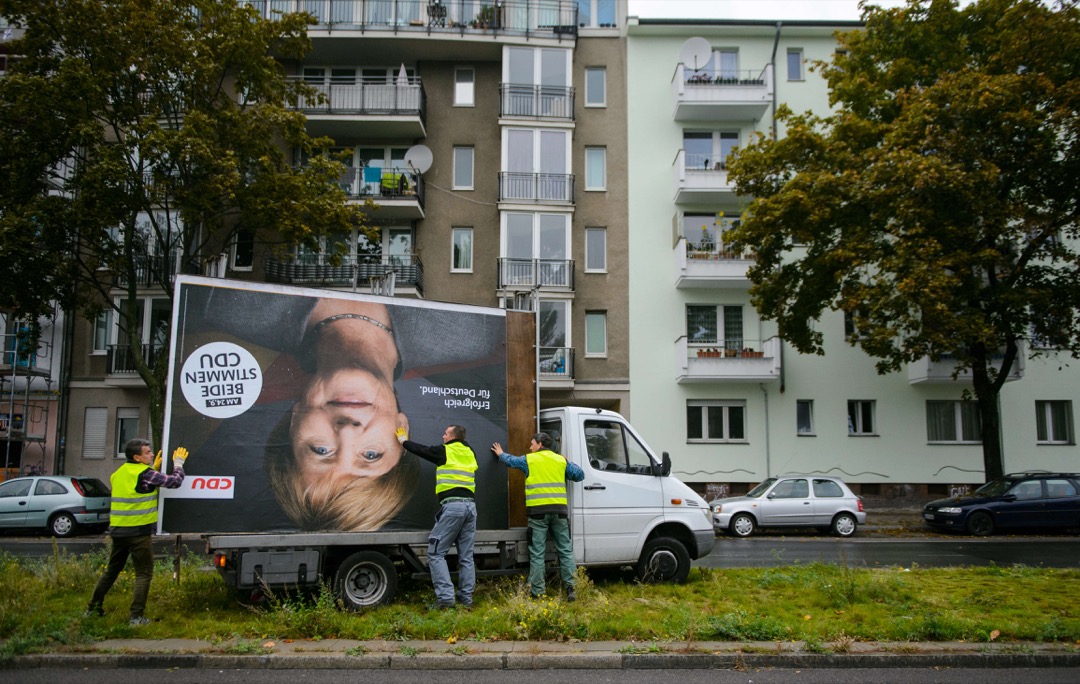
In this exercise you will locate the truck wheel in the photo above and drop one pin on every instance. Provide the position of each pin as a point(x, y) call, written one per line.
point(664, 560)
point(365, 579)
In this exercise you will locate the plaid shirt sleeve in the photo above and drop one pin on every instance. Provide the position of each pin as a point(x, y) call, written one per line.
point(151, 478)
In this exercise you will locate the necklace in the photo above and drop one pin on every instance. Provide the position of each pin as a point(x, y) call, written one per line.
point(319, 326)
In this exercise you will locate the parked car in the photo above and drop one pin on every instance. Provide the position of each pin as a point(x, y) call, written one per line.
point(1018, 500)
point(791, 501)
point(60, 505)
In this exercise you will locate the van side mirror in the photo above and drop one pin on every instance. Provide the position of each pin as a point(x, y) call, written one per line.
point(665, 465)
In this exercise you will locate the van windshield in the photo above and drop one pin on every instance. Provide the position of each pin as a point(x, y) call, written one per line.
point(761, 488)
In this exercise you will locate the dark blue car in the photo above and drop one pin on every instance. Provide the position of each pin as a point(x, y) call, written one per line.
point(1019, 500)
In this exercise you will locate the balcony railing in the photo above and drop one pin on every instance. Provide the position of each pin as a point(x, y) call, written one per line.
point(387, 183)
point(519, 186)
point(522, 99)
point(726, 95)
point(557, 363)
point(525, 274)
point(155, 270)
point(358, 271)
point(701, 179)
point(709, 264)
point(120, 359)
point(941, 371)
point(727, 360)
point(370, 97)
point(552, 18)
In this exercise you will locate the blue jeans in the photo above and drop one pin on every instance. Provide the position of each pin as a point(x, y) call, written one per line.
point(564, 550)
point(455, 523)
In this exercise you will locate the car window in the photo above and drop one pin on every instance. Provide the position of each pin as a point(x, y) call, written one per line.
point(1060, 488)
point(49, 487)
point(827, 489)
point(761, 488)
point(15, 488)
point(791, 489)
point(994, 488)
point(92, 486)
point(1032, 489)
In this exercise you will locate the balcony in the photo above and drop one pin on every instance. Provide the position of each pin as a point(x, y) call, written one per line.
point(700, 180)
point(525, 274)
point(398, 191)
point(709, 265)
point(536, 102)
point(557, 19)
point(556, 367)
point(730, 96)
point(741, 360)
point(539, 188)
point(353, 271)
point(378, 109)
point(940, 372)
point(156, 270)
point(120, 367)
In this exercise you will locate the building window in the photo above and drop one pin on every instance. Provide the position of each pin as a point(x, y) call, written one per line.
point(243, 251)
point(1054, 422)
point(596, 13)
point(794, 64)
point(462, 246)
point(595, 168)
point(127, 428)
point(595, 333)
point(535, 250)
point(94, 424)
point(860, 417)
point(715, 421)
point(464, 87)
point(596, 250)
point(804, 416)
point(715, 326)
point(595, 87)
point(955, 422)
point(102, 331)
point(709, 150)
point(463, 168)
point(537, 165)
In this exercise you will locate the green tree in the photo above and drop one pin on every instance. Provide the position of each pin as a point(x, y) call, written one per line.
point(140, 136)
point(937, 203)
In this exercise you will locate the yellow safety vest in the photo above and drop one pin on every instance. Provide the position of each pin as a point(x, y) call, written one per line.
point(459, 471)
point(130, 508)
point(545, 486)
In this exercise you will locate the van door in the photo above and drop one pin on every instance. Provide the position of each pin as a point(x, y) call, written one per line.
point(620, 496)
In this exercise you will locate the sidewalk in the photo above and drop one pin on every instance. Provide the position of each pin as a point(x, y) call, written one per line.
point(531, 655)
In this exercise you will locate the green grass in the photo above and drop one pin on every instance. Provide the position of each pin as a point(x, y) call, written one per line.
point(826, 606)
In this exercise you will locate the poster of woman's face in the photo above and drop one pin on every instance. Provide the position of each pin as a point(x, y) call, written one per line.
point(288, 400)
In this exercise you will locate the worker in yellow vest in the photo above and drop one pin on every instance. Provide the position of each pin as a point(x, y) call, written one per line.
point(133, 517)
point(546, 473)
point(455, 523)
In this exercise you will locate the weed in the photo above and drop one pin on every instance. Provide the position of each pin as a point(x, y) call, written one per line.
point(358, 650)
point(244, 647)
point(815, 646)
point(741, 626)
point(634, 649)
point(408, 651)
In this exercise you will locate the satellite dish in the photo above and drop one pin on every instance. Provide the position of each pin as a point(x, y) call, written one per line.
point(695, 53)
point(418, 157)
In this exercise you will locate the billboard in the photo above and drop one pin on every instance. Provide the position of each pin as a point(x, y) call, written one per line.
point(288, 399)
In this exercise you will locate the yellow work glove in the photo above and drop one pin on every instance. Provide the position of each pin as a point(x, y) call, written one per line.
point(179, 456)
point(402, 434)
point(157, 460)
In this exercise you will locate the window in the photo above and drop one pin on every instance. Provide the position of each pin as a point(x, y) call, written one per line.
point(595, 333)
point(705, 235)
point(463, 168)
point(243, 251)
point(953, 422)
point(536, 82)
point(596, 13)
point(595, 168)
point(537, 165)
point(127, 428)
point(595, 87)
point(554, 323)
point(596, 250)
point(860, 417)
point(709, 150)
point(611, 446)
point(464, 87)
point(461, 250)
point(705, 323)
point(1054, 422)
point(804, 416)
point(535, 250)
point(94, 432)
point(794, 64)
point(715, 421)
point(790, 489)
point(49, 488)
point(827, 489)
point(102, 331)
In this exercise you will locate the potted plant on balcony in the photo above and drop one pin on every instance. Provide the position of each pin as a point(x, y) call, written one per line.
point(485, 18)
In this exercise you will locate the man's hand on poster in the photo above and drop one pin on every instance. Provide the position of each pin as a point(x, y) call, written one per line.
point(496, 450)
point(402, 434)
point(179, 456)
point(157, 460)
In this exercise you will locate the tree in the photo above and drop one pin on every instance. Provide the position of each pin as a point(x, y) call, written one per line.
point(140, 136)
point(937, 204)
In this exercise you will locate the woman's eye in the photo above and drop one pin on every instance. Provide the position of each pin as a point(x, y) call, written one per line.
point(371, 456)
point(320, 450)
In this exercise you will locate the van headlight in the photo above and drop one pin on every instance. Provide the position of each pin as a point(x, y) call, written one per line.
point(708, 514)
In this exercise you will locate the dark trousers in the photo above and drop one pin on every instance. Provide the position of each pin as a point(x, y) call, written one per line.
point(142, 557)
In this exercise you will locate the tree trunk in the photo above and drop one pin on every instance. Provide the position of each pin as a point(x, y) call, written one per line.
point(987, 391)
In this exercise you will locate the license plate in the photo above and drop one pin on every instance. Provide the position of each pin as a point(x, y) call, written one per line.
point(928, 516)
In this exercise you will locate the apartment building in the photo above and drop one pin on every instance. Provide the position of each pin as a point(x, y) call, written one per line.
point(492, 139)
point(712, 383)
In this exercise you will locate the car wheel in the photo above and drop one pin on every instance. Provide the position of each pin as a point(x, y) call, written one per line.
point(62, 525)
point(742, 525)
point(844, 525)
point(664, 560)
point(365, 579)
point(980, 524)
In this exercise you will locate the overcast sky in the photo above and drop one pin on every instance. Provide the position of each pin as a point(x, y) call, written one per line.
point(751, 9)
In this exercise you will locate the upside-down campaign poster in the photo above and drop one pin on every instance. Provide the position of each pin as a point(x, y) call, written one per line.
point(288, 401)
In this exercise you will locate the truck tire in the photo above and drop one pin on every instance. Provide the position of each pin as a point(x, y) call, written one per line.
point(365, 579)
point(664, 560)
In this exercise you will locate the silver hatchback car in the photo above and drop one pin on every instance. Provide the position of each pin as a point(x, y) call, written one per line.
point(791, 501)
point(59, 504)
